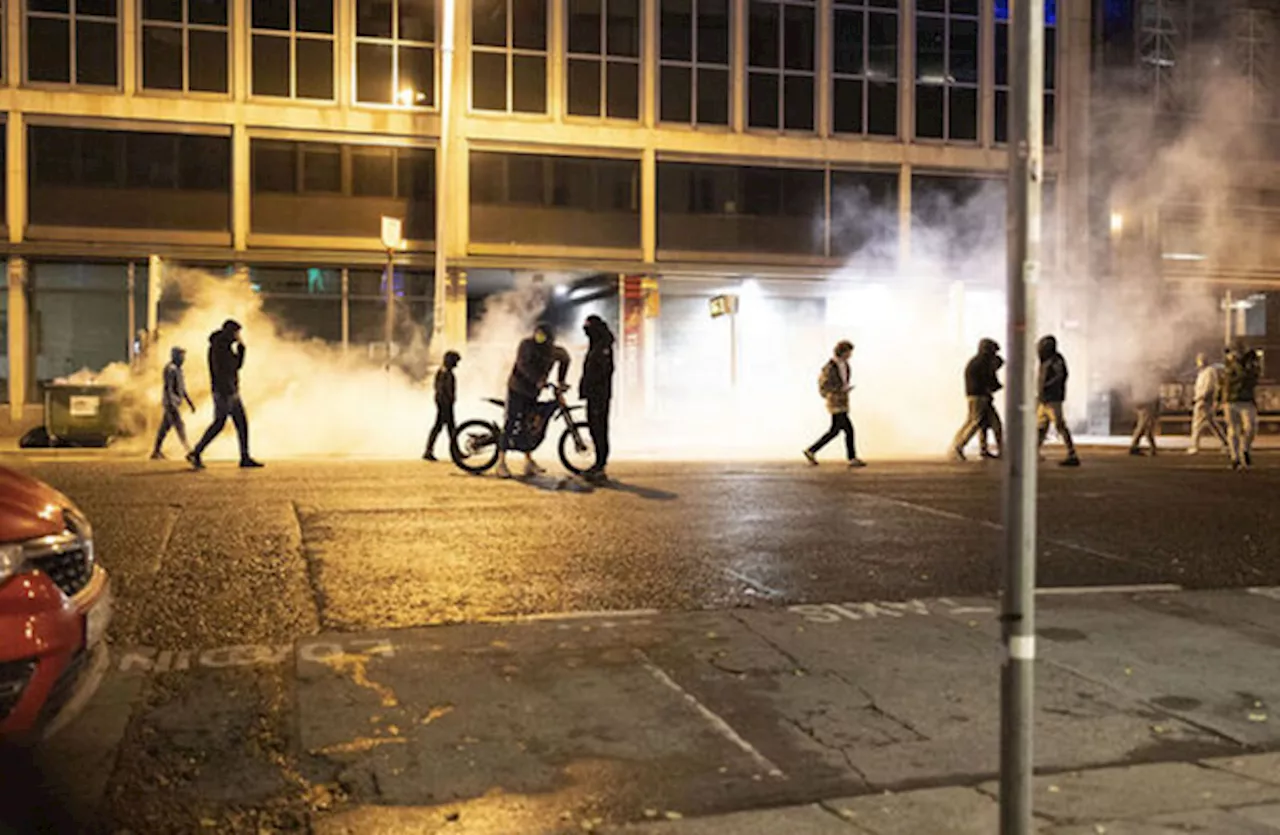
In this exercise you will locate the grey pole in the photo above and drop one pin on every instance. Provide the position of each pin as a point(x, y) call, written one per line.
point(132, 279)
point(390, 322)
point(1026, 157)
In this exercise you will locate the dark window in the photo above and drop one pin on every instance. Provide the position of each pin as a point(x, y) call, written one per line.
point(694, 62)
point(395, 52)
point(73, 42)
point(1001, 114)
point(292, 48)
point(275, 166)
point(603, 70)
point(947, 69)
point(321, 168)
point(184, 46)
point(864, 211)
point(509, 55)
point(781, 42)
point(373, 172)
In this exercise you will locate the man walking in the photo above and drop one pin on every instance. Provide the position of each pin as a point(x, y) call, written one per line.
point(446, 386)
point(1204, 411)
point(596, 387)
point(1146, 407)
point(226, 358)
point(535, 358)
point(1240, 380)
point(980, 387)
point(1053, 393)
point(175, 394)
point(834, 386)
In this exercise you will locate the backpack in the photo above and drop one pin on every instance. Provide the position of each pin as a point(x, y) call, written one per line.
point(824, 380)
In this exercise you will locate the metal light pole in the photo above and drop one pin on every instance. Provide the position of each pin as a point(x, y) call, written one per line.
point(440, 299)
point(1026, 158)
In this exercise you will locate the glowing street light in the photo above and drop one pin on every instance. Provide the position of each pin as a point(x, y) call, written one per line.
point(408, 97)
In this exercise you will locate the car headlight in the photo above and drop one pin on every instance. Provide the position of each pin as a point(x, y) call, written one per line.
point(11, 560)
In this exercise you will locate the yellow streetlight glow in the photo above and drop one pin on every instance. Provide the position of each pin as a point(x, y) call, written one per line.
point(1117, 223)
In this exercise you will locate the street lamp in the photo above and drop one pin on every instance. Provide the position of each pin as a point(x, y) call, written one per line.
point(438, 332)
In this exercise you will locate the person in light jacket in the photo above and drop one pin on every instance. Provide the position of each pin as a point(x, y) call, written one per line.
point(1204, 410)
point(834, 386)
point(980, 387)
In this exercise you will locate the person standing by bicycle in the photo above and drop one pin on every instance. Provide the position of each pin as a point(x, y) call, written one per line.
point(597, 389)
point(535, 358)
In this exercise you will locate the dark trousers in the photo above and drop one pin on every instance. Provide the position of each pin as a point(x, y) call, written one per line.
point(518, 407)
point(227, 406)
point(839, 423)
point(172, 420)
point(598, 423)
point(444, 420)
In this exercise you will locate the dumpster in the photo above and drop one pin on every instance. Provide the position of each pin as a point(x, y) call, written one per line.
point(80, 415)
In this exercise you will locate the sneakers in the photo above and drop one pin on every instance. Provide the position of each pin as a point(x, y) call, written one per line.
point(1133, 450)
point(856, 463)
point(958, 455)
point(502, 471)
point(194, 460)
point(250, 464)
point(1193, 451)
point(1248, 459)
point(1072, 461)
point(531, 468)
point(429, 456)
point(810, 457)
point(990, 456)
point(157, 456)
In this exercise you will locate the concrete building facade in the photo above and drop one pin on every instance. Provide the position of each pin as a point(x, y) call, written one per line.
point(670, 146)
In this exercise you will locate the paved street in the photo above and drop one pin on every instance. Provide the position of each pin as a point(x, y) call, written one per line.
point(322, 643)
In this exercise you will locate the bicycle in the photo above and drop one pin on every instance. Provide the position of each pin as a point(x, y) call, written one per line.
point(478, 441)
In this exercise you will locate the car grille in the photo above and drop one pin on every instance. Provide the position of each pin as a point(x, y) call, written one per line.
point(70, 570)
point(14, 676)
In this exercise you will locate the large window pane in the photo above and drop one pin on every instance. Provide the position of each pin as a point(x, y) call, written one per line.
point(417, 20)
point(95, 53)
point(375, 18)
point(489, 81)
point(373, 172)
point(623, 85)
point(584, 26)
point(162, 58)
point(315, 16)
point(762, 92)
point(676, 30)
point(846, 43)
point(798, 102)
point(270, 65)
point(764, 35)
point(529, 24)
point(929, 111)
point(418, 73)
point(274, 167)
point(713, 31)
point(529, 90)
point(584, 87)
point(208, 71)
point(170, 10)
point(489, 22)
point(882, 109)
point(624, 28)
point(49, 55)
point(271, 14)
point(713, 97)
point(322, 168)
point(315, 68)
point(799, 43)
point(374, 73)
point(676, 103)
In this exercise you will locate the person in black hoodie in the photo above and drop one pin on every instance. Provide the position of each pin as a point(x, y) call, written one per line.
point(535, 358)
point(446, 386)
point(1053, 392)
point(226, 357)
point(596, 388)
point(980, 387)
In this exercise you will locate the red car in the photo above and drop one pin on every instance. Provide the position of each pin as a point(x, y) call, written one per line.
point(55, 603)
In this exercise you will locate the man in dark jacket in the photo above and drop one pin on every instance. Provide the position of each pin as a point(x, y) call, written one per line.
point(226, 357)
point(596, 388)
point(446, 386)
point(535, 358)
point(175, 395)
point(1053, 393)
point(980, 387)
point(1239, 385)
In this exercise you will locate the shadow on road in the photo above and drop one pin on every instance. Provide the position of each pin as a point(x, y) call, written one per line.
point(650, 493)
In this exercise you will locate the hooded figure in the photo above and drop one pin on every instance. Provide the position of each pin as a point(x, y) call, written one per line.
point(226, 358)
point(980, 387)
point(1053, 391)
point(446, 388)
point(175, 394)
point(535, 358)
point(1204, 410)
point(596, 387)
point(1240, 381)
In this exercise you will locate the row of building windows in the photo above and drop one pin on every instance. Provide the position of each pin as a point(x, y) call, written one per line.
point(185, 47)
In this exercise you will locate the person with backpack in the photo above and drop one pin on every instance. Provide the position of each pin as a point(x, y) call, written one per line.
point(1240, 381)
point(834, 387)
point(980, 387)
point(446, 387)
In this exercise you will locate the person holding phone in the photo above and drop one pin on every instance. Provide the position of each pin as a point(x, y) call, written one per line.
point(226, 358)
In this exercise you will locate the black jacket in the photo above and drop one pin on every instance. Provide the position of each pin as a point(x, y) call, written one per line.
point(597, 369)
point(446, 387)
point(1053, 372)
point(980, 374)
point(226, 356)
point(533, 366)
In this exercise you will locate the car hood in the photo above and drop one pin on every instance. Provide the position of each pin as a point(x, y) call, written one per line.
point(29, 508)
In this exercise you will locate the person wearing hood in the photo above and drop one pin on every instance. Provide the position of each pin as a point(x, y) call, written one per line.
point(834, 387)
point(535, 358)
point(596, 387)
point(980, 387)
point(175, 394)
point(1146, 405)
point(1053, 393)
point(1239, 384)
point(446, 388)
point(226, 358)
point(1204, 410)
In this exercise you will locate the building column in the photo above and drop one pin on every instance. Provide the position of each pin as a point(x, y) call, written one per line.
point(649, 205)
point(19, 337)
point(738, 70)
point(240, 185)
point(906, 71)
point(904, 215)
point(155, 289)
point(455, 309)
point(15, 198)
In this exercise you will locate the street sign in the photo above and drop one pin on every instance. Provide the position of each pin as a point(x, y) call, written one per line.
point(723, 306)
point(392, 229)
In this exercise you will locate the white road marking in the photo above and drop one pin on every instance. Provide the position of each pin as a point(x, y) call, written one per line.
point(151, 660)
point(753, 583)
point(1148, 588)
point(603, 614)
point(716, 721)
point(1272, 592)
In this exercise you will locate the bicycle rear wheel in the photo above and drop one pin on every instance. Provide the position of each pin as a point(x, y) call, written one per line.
point(476, 446)
point(578, 455)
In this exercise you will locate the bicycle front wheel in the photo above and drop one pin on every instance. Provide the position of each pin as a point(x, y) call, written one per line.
point(476, 446)
point(577, 451)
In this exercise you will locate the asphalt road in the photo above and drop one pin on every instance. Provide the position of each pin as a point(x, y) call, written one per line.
point(263, 559)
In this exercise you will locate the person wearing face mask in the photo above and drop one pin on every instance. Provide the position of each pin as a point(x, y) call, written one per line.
point(446, 388)
point(175, 394)
point(535, 358)
point(597, 389)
